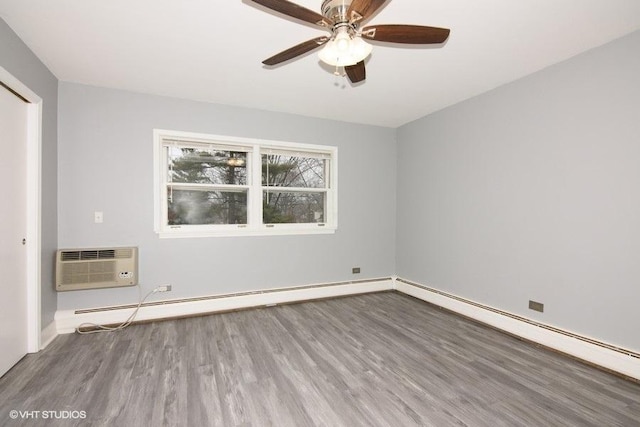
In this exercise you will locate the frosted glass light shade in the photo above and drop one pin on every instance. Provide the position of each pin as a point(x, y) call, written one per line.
point(344, 50)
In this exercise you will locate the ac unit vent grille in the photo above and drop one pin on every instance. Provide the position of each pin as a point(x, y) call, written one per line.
point(96, 268)
point(96, 254)
point(70, 256)
point(123, 253)
point(88, 272)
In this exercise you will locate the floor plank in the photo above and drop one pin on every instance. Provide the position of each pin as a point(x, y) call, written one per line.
point(382, 359)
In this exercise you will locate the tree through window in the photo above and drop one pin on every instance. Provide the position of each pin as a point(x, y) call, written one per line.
point(201, 186)
point(294, 189)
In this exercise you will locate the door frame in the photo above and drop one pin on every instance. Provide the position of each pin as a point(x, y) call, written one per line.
point(34, 216)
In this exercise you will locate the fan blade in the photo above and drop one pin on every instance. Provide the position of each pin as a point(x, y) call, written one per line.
point(364, 8)
point(409, 34)
point(356, 73)
point(297, 50)
point(295, 11)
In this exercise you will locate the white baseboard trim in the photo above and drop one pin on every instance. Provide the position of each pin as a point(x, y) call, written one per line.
point(48, 334)
point(625, 362)
point(68, 320)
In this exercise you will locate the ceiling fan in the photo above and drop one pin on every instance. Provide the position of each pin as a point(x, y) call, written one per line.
point(345, 46)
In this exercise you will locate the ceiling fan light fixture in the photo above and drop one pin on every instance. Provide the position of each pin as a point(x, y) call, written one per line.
point(360, 48)
point(342, 50)
point(342, 41)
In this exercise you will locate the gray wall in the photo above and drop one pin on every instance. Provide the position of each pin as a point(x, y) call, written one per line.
point(532, 191)
point(106, 164)
point(16, 58)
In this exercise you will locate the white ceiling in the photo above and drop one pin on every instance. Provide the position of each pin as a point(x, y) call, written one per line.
point(211, 50)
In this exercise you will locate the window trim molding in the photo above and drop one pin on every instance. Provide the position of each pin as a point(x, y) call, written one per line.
point(254, 227)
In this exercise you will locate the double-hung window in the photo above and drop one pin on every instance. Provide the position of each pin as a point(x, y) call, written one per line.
point(207, 185)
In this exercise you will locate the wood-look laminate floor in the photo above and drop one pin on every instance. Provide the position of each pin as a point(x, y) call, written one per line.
point(381, 359)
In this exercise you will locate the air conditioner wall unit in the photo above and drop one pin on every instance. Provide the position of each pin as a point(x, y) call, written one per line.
point(92, 268)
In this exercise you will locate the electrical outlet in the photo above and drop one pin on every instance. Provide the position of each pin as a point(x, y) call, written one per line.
point(164, 288)
point(536, 306)
point(98, 217)
point(355, 270)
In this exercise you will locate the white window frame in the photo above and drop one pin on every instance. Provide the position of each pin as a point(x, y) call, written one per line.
point(255, 148)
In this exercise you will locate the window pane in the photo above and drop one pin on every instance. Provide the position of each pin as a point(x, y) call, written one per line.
point(195, 207)
point(292, 171)
point(292, 208)
point(207, 166)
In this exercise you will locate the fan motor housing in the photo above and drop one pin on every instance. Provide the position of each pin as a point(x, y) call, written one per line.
point(336, 10)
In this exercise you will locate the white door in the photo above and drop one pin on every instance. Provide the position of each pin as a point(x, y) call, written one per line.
point(13, 229)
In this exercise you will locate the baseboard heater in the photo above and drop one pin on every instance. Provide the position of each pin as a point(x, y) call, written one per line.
point(617, 349)
point(230, 295)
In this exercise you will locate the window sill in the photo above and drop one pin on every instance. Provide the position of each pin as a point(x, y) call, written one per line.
point(241, 232)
